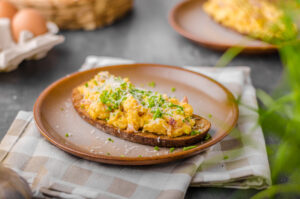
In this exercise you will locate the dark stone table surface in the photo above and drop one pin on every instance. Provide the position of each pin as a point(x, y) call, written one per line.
point(144, 35)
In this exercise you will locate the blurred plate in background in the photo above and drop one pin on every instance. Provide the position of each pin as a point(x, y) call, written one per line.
point(189, 19)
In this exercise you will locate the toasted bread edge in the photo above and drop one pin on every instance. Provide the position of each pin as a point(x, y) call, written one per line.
point(140, 137)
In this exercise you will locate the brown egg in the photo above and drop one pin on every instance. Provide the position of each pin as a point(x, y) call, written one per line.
point(30, 20)
point(7, 10)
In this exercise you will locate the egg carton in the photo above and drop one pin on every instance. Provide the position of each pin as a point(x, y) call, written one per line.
point(28, 47)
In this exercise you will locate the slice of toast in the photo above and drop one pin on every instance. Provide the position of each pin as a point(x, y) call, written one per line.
point(142, 137)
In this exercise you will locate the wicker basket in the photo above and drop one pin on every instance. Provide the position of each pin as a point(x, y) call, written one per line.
point(79, 14)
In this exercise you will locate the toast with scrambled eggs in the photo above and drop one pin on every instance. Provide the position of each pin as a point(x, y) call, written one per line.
point(115, 106)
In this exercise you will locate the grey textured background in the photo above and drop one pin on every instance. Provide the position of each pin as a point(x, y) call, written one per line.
point(144, 35)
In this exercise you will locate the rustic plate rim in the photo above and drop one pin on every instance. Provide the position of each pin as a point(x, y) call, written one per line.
point(211, 44)
point(128, 160)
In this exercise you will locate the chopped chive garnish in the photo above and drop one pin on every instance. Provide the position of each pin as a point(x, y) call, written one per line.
point(188, 148)
point(111, 140)
point(225, 157)
point(152, 84)
point(187, 119)
point(67, 135)
point(62, 109)
point(86, 85)
point(207, 137)
point(157, 114)
point(173, 89)
point(123, 85)
point(195, 132)
point(172, 149)
point(107, 153)
point(122, 156)
point(209, 115)
point(140, 156)
point(156, 148)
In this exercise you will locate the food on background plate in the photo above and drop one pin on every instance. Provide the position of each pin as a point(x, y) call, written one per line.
point(117, 107)
point(30, 20)
point(7, 10)
point(260, 19)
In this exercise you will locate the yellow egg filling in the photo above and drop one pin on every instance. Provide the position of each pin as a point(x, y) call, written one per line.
point(121, 104)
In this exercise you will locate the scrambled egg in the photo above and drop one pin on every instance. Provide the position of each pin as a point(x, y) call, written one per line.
point(257, 18)
point(121, 104)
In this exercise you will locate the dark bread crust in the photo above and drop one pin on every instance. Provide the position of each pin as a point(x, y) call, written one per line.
point(140, 137)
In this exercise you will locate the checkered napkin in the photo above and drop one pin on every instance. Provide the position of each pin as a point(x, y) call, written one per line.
point(238, 161)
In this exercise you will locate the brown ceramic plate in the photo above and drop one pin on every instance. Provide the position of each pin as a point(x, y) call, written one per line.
point(55, 116)
point(189, 20)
